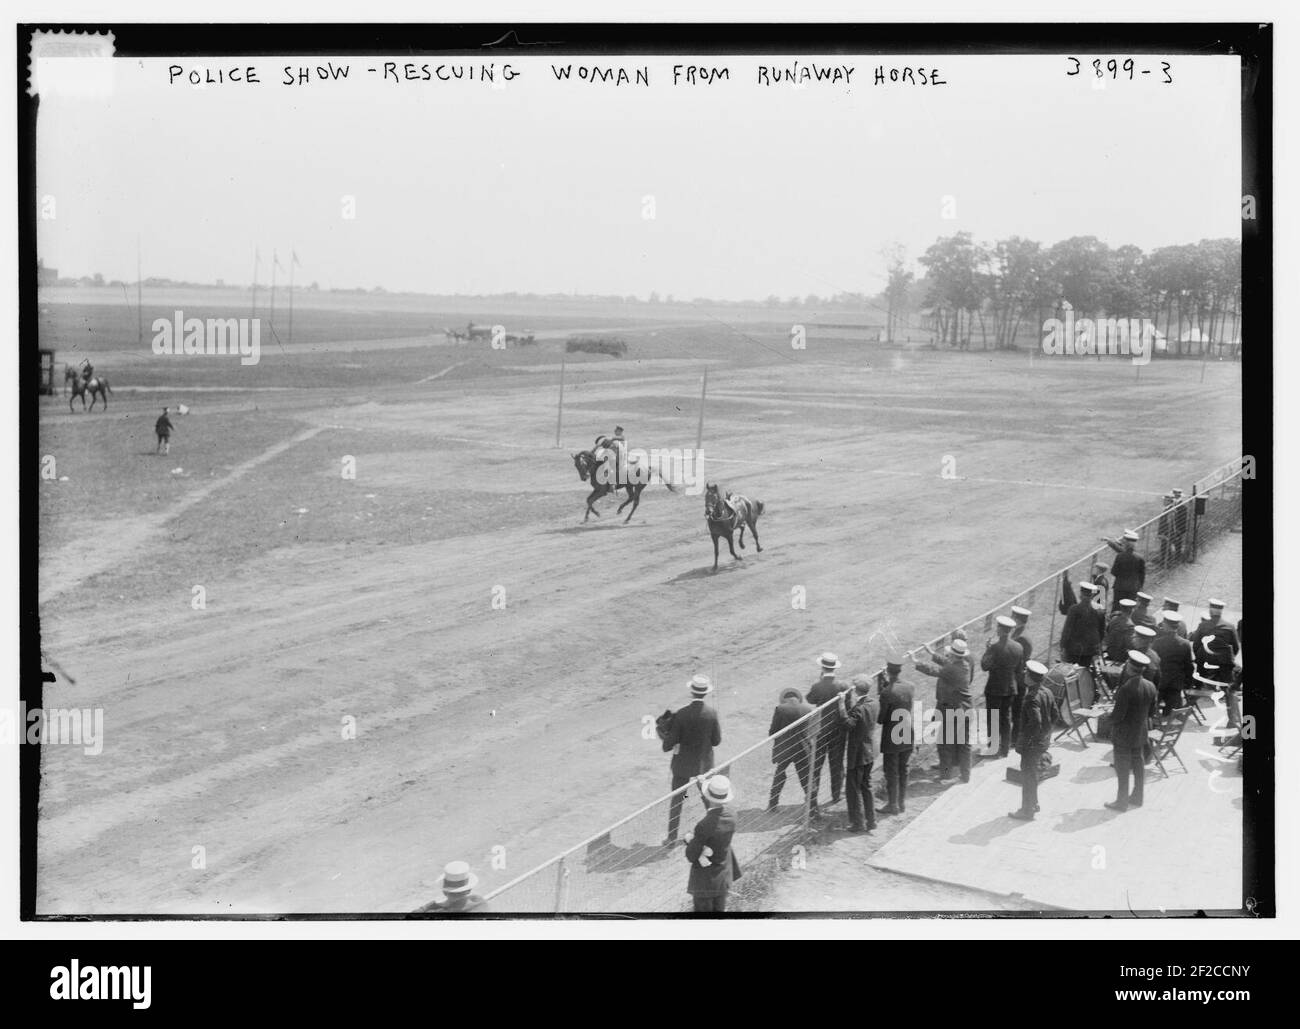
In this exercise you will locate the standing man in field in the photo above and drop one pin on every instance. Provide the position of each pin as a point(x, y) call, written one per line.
point(691, 735)
point(858, 714)
point(792, 747)
point(1037, 718)
point(896, 739)
point(163, 430)
point(1002, 660)
point(1129, 570)
point(953, 703)
point(1135, 703)
point(1084, 624)
point(828, 731)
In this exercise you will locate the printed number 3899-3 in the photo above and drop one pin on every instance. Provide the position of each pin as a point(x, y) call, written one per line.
point(1116, 69)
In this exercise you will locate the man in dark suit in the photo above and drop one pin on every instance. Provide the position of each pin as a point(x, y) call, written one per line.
point(691, 736)
point(1176, 663)
point(1135, 703)
point(1002, 659)
point(1084, 624)
point(828, 731)
point(713, 865)
point(1021, 617)
point(896, 739)
point(953, 704)
point(1037, 718)
point(858, 714)
point(793, 747)
point(1225, 637)
point(1129, 570)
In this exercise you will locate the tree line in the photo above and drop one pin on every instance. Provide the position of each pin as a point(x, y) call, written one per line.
point(1191, 291)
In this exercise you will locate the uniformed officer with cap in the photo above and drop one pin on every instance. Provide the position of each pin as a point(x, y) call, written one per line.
point(1037, 719)
point(1129, 570)
point(1141, 614)
point(1020, 615)
point(1084, 624)
point(1119, 632)
point(1135, 703)
point(1002, 659)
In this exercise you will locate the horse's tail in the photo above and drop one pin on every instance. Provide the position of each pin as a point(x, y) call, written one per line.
point(104, 382)
point(758, 508)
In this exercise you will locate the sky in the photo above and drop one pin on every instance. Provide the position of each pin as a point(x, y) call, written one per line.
point(733, 190)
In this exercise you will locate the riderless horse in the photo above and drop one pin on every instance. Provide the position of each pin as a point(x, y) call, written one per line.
point(726, 516)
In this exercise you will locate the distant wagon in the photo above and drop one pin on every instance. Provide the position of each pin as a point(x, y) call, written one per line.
point(47, 372)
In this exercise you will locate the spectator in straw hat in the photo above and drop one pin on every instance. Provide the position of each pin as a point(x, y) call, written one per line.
point(1002, 660)
point(713, 863)
point(1129, 570)
point(896, 736)
point(953, 704)
point(692, 734)
point(1176, 661)
point(1037, 718)
point(828, 737)
point(1141, 614)
point(858, 713)
point(793, 746)
point(1084, 624)
point(1119, 632)
point(457, 884)
point(1135, 703)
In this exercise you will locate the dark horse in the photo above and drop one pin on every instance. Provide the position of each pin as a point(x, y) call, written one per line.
point(588, 469)
point(97, 387)
point(723, 521)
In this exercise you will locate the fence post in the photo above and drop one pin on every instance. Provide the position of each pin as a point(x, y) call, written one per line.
point(561, 885)
point(810, 792)
point(1051, 631)
point(1196, 525)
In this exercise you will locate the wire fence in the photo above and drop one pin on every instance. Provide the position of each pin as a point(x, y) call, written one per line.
point(630, 867)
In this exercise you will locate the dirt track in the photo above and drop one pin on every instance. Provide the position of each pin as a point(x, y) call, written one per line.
point(521, 727)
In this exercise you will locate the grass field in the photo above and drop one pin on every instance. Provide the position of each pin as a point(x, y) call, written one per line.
point(335, 601)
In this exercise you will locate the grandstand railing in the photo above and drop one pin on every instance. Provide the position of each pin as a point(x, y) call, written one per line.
point(627, 868)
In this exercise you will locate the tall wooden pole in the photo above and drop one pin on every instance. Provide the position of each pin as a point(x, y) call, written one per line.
point(139, 289)
point(699, 431)
point(559, 408)
point(293, 259)
point(257, 259)
point(275, 259)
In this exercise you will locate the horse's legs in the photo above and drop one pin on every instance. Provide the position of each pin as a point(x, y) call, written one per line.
point(753, 528)
point(733, 549)
point(636, 502)
point(590, 500)
point(742, 535)
point(715, 551)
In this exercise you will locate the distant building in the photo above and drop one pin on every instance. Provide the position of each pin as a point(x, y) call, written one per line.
point(46, 276)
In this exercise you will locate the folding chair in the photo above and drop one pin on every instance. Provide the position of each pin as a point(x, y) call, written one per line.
point(1196, 696)
point(1164, 738)
point(1072, 719)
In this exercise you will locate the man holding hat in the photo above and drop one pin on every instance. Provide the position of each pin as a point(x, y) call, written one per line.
point(828, 734)
point(713, 864)
point(1135, 703)
point(1002, 659)
point(457, 883)
point(896, 736)
point(1129, 570)
point(858, 713)
point(1119, 633)
point(792, 747)
point(952, 703)
point(1176, 661)
point(691, 735)
point(1082, 632)
point(1037, 718)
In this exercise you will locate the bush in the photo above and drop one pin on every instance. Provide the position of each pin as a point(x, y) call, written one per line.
point(611, 345)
